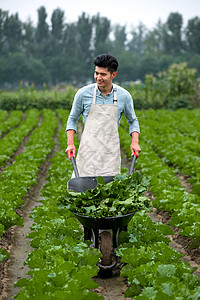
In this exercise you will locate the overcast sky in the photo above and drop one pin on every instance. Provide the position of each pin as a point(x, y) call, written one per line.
point(123, 12)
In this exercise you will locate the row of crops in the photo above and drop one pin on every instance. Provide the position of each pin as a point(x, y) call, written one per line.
point(173, 139)
point(62, 264)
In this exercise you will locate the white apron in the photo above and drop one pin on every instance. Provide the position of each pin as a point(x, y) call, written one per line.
point(99, 149)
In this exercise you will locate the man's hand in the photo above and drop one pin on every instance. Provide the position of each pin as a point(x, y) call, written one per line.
point(70, 149)
point(135, 144)
point(70, 143)
point(135, 148)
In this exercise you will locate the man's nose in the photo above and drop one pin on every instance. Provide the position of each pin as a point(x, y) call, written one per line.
point(99, 76)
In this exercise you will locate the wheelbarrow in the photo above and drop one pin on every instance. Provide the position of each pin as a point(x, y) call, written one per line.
point(95, 228)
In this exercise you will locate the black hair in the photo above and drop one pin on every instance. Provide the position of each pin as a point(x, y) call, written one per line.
point(106, 61)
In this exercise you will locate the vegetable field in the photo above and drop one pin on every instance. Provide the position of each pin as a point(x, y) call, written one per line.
point(61, 264)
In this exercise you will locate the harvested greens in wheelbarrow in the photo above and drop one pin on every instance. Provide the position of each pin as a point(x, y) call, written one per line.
point(119, 197)
point(105, 204)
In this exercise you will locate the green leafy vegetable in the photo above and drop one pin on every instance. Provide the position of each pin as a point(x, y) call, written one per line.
point(122, 196)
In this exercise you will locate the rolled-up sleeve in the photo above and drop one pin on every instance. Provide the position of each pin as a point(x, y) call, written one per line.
point(130, 115)
point(76, 111)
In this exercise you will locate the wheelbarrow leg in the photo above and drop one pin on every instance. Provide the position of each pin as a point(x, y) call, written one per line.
point(115, 237)
point(96, 237)
point(87, 233)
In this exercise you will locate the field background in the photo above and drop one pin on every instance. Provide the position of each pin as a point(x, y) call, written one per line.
point(34, 168)
point(43, 254)
point(42, 251)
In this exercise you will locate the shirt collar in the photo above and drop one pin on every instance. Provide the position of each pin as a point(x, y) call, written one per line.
point(99, 92)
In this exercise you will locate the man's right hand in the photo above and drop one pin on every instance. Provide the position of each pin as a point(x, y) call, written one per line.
point(70, 143)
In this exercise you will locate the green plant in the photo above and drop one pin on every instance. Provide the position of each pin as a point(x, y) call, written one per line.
point(122, 196)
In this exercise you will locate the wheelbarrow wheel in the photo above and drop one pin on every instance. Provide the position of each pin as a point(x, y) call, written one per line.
point(106, 248)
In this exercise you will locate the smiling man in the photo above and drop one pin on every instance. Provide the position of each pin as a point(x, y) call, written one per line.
point(101, 105)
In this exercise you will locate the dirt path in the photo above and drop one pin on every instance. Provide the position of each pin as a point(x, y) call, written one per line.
point(5, 133)
point(15, 241)
point(22, 146)
point(178, 242)
point(112, 288)
point(19, 249)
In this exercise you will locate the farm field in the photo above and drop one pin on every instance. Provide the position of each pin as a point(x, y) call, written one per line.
point(158, 259)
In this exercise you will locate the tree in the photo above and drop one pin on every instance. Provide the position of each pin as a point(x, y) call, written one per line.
point(120, 38)
point(195, 62)
point(37, 72)
point(70, 50)
point(173, 43)
point(154, 40)
point(59, 68)
point(3, 75)
point(84, 37)
point(101, 30)
point(136, 44)
point(3, 17)
point(29, 43)
point(128, 67)
point(16, 68)
point(193, 35)
point(57, 26)
point(164, 61)
point(13, 33)
point(148, 65)
point(65, 51)
point(42, 34)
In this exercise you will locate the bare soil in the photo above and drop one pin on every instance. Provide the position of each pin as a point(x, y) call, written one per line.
point(21, 148)
point(4, 134)
point(180, 243)
point(14, 240)
point(112, 288)
point(16, 243)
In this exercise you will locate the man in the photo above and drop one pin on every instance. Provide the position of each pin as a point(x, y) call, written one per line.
point(101, 105)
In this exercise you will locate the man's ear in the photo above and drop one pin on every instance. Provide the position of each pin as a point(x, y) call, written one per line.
point(114, 74)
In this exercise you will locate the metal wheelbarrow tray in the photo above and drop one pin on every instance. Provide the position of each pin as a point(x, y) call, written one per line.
point(91, 225)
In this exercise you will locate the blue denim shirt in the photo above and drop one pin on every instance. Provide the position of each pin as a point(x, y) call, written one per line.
point(84, 98)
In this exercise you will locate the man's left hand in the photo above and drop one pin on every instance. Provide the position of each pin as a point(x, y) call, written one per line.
point(135, 144)
point(135, 148)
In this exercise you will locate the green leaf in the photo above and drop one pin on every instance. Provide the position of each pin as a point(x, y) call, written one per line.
point(100, 180)
point(167, 270)
point(3, 254)
point(132, 291)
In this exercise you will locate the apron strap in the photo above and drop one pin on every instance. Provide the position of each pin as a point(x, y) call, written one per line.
point(114, 95)
point(95, 93)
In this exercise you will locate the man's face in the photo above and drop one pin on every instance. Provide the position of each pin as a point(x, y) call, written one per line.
point(103, 77)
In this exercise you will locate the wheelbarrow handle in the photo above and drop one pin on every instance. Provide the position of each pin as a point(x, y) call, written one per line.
point(76, 169)
point(74, 164)
point(132, 163)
